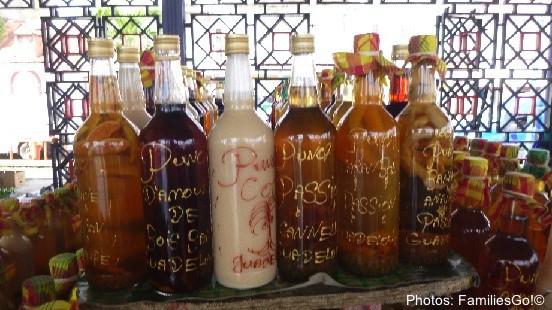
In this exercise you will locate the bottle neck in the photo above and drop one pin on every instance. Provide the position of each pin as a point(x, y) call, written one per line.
point(130, 85)
point(168, 79)
point(104, 93)
point(238, 93)
point(303, 86)
point(422, 84)
point(511, 221)
point(398, 87)
point(367, 89)
point(191, 88)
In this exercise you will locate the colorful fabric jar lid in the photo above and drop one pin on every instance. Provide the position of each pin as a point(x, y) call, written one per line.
point(510, 164)
point(38, 290)
point(9, 205)
point(458, 159)
point(147, 72)
point(366, 57)
point(538, 157)
point(519, 182)
point(327, 74)
point(461, 143)
point(538, 171)
point(475, 167)
point(64, 269)
point(55, 305)
point(423, 48)
point(492, 148)
point(509, 151)
point(547, 178)
point(478, 144)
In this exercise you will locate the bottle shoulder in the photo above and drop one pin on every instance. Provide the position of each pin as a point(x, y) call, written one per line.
point(172, 125)
point(240, 125)
point(301, 121)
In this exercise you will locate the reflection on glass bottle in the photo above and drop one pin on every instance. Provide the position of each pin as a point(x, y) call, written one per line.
point(325, 86)
point(175, 182)
point(367, 166)
point(107, 167)
point(305, 185)
point(508, 264)
point(346, 105)
point(426, 161)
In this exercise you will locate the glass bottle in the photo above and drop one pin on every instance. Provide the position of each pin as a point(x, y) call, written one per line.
point(477, 146)
point(337, 92)
point(508, 264)
point(398, 88)
point(306, 214)
point(325, 86)
point(544, 282)
point(426, 162)
point(43, 241)
point(10, 281)
point(14, 241)
point(461, 143)
point(107, 165)
point(175, 182)
point(368, 170)
point(192, 88)
point(536, 164)
point(276, 99)
point(200, 100)
point(492, 154)
point(189, 109)
point(469, 227)
point(147, 75)
point(241, 155)
point(132, 95)
point(346, 104)
point(219, 92)
point(209, 100)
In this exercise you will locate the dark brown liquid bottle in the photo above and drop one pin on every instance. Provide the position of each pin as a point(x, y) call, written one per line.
point(175, 183)
point(426, 166)
point(305, 187)
point(107, 168)
point(469, 227)
point(398, 87)
point(508, 265)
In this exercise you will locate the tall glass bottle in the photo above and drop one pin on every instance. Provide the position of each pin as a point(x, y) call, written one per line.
point(192, 90)
point(201, 101)
point(241, 155)
point(544, 282)
point(398, 88)
point(219, 92)
point(175, 182)
point(107, 167)
point(132, 94)
point(189, 109)
point(426, 161)
point(368, 168)
point(508, 264)
point(305, 185)
point(469, 227)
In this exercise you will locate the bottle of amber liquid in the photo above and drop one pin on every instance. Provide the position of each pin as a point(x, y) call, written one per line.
point(241, 155)
point(367, 167)
point(208, 121)
point(16, 254)
point(325, 86)
point(175, 182)
point(398, 88)
point(508, 264)
point(107, 167)
point(469, 227)
point(134, 103)
point(42, 240)
point(305, 186)
point(426, 161)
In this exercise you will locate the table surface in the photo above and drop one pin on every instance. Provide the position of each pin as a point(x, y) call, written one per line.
point(321, 291)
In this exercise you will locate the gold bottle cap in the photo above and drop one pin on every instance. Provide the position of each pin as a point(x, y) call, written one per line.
point(128, 54)
point(100, 48)
point(302, 44)
point(236, 44)
point(166, 42)
point(400, 52)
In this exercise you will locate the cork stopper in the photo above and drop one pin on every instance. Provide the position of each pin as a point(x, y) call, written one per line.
point(100, 48)
point(492, 148)
point(38, 290)
point(460, 143)
point(400, 52)
point(475, 167)
point(509, 151)
point(519, 182)
point(236, 44)
point(128, 54)
point(166, 42)
point(302, 44)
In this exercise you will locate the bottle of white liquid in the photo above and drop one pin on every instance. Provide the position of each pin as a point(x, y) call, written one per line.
point(241, 157)
point(130, 85)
